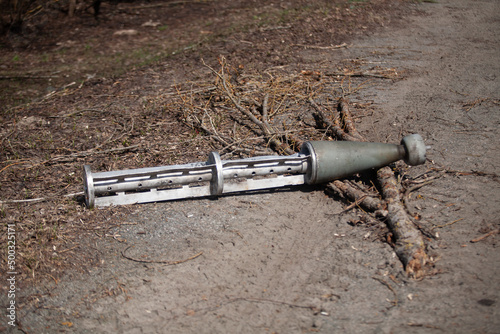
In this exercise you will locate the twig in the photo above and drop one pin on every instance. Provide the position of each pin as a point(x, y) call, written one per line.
point(418, 186)
point(67, 250)
point(479, 101)
point(395, 301)
point(266, 130)
point(277, 302)
point(31, 200)
point(85, 154)
point(170, 4)
point(465, 173)
point(264, 110)
point(239, 142)
point(9, 77)
point(332, 47)
point(55, 280)
point(447, 224)
point(411, 324)
point(115, 236)
point(15, 163)
point(408, 191)
point(354, 204)
point(228, 144)
point(409, 243)
point(275, 28)
point(231, 96)
point(484, 236)
point(39, 199)
point(168, 263)
point(424, 181)
point(375, 74)
point(79, 112)
point(359, 197)
point(214, 134)
point(190, 91)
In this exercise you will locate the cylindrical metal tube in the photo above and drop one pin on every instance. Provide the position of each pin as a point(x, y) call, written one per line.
point(318, 162)
point(88, 186)
point(153, 183)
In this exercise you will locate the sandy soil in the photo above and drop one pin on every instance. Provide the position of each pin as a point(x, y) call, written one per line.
point(292, 260)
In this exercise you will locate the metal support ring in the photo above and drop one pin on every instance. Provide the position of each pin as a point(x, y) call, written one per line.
point(88, 187)
point(312, 166)
point(217, 182)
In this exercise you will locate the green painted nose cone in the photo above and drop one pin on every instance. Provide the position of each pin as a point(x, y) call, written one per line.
point(331, 160)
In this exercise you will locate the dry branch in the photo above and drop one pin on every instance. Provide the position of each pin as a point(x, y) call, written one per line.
point(409, 243)
point(346, 118)
point(272, 137)
point(323, 122)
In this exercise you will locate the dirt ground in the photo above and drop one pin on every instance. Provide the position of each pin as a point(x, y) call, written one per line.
point(288, 260)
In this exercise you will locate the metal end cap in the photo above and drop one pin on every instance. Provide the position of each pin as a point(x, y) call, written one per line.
point(415, 149)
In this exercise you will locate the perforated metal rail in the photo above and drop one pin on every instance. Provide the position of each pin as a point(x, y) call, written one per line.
point(212, 178)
